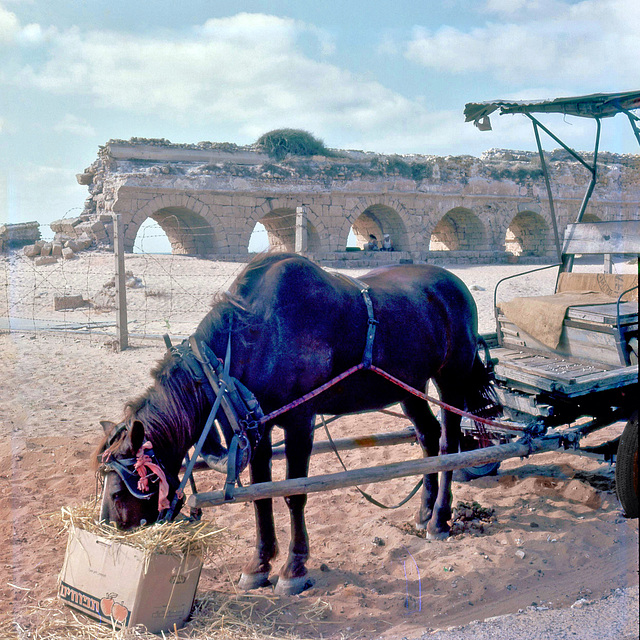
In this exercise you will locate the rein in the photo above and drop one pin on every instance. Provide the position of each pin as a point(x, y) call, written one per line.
point(245, 415)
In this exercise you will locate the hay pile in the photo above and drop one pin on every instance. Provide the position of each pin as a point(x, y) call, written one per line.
point(170, 538)
point(215, 616)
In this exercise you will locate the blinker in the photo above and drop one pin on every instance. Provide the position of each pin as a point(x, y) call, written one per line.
point(130, 478)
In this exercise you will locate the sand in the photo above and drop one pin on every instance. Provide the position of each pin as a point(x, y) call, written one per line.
point(558, 536)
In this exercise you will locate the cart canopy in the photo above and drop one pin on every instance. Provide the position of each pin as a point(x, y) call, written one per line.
point(596, 105)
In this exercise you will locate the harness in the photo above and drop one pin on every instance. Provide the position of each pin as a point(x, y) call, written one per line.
point(239, 405)
point(372, 323)
point(243, 411)
point(139, 472)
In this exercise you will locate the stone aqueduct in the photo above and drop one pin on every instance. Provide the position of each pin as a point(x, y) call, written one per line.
point(208, 198)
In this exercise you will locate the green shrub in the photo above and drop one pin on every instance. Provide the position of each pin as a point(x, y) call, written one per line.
point(281, 142)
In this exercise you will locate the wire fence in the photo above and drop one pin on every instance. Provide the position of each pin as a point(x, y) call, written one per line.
point(164, 293)
point(171, 293)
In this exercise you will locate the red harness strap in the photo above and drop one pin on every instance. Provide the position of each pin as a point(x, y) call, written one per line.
point(502, 426)
point(144, 462)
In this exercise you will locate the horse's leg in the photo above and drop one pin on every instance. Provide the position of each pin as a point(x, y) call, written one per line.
point(428, 432)
point(438, 527)
point(255, 573)
point(293, 576)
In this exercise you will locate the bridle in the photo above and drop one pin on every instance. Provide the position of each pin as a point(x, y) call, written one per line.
point(242, 411)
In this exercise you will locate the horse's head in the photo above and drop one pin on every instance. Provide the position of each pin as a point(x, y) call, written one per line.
point(135, 487)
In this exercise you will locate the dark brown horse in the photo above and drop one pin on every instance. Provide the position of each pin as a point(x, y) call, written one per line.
point(293, 327)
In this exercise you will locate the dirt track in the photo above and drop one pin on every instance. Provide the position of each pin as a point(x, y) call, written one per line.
point(374, 576)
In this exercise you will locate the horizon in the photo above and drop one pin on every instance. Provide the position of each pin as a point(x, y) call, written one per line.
point(359, 75)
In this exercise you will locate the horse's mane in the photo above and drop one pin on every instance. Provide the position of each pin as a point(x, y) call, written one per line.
point(242, 306)
point(169, 406)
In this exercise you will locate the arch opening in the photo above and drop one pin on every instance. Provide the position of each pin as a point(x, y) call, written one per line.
point(187, 232)
point(378, 220)
point(527, 235)
point(276, 231)
point(151, 238)
point(458, 230)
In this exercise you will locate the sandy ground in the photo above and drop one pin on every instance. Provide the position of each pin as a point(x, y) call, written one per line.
point(557, 538)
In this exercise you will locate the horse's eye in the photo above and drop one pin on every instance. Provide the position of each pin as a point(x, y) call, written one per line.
point(116, 496)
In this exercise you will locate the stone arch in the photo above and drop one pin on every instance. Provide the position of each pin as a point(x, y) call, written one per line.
point(378, 219)
point(281, 228)
point(458, 230)
point(184, 220)
point(280, 225)
point(527, 235)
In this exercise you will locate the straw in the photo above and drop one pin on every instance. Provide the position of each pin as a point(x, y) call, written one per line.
point(170, 538)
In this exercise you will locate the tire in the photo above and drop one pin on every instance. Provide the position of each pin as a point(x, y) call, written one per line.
point(473, 473)
point(627, 468)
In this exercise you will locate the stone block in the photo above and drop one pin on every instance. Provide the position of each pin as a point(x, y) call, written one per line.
point(62, 303)
point(68, 253)
point(31, 250)
point(46, 249)
point(56, 249)
point(84, 241)
point(96, 226)
point(42, 260)
point(85, 178)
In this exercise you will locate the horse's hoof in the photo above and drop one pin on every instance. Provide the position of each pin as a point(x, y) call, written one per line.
point(438, 535)
point(249, 581)
point(293, 586)
point(421, 526)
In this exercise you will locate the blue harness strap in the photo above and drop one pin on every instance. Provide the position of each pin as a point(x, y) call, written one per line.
point(367, 357)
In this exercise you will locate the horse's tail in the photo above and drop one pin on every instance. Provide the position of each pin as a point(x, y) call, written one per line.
point(481, 397)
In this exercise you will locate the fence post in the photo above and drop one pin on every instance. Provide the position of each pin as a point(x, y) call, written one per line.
point(301, 241)
point(122, 332)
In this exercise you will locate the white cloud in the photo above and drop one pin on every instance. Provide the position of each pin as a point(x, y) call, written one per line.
point(75, 126)
point(590, 42)
point(9, 26)
point(249, 69)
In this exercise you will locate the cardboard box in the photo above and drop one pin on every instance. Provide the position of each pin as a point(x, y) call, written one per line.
point(108, 580)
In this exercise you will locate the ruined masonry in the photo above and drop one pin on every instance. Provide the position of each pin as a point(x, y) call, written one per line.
point(208, 198)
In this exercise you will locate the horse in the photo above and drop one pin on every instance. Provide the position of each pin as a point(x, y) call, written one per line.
point(292, 327)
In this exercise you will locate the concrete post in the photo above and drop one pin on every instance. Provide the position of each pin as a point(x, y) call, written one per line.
point(301, 230)
point(122, 332)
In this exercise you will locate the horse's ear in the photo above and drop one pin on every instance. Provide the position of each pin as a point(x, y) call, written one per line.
point(107, 426)
point(136, 435)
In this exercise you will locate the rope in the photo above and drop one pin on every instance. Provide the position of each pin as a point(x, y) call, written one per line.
point(364, 494)
point(501, 426)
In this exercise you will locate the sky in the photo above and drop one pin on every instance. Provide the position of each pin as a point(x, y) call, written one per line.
point(390, 77)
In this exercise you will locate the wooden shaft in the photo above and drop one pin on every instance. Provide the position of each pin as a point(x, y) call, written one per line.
point(368, 475)
point(364, 442)
point(342, 444)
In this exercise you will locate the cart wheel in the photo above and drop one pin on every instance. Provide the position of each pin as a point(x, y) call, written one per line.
point(627, 468)
point(472, 473)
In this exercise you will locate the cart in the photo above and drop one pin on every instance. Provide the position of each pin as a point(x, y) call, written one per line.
point(582, 371)
point(553, 392)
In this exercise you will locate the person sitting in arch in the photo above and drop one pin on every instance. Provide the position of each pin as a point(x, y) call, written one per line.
point(386, 243)
point(372, 245)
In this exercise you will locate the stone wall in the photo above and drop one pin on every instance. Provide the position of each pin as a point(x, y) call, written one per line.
point(18, 235)
point(208, 198)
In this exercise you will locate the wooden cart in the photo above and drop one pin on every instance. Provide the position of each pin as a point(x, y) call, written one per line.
point(553, 394)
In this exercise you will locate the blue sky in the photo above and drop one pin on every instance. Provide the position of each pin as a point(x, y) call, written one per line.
point(391, 77)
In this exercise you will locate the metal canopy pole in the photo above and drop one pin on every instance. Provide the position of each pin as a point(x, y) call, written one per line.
point(632, 122)
point(567, 262)
point(554, 222)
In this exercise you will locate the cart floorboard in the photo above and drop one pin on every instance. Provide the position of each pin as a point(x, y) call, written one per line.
point(555, 373)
